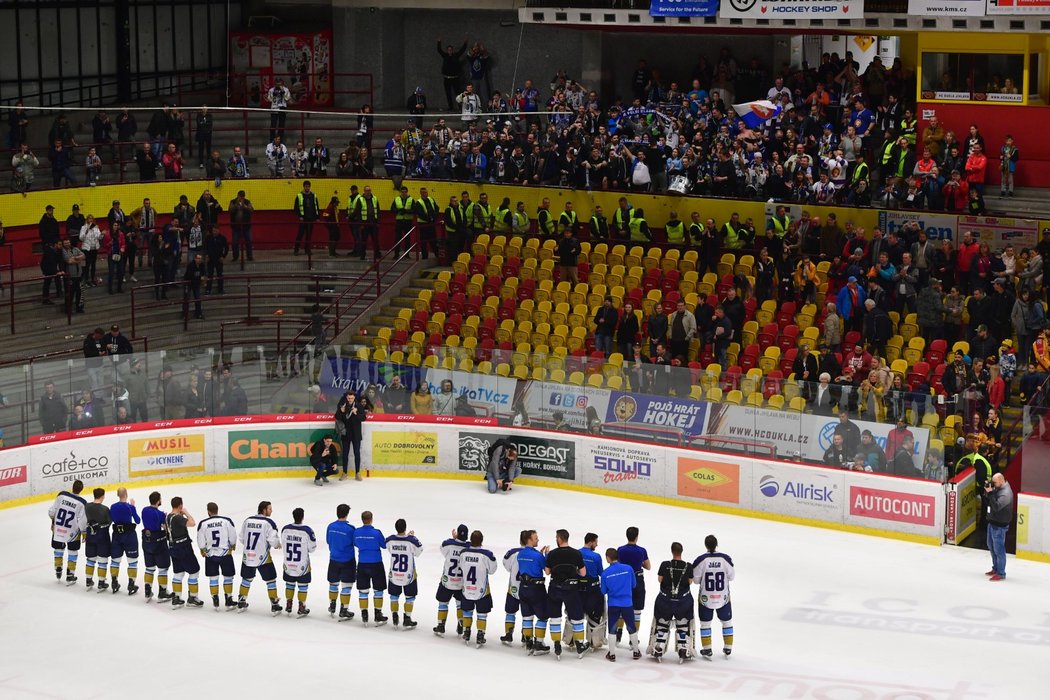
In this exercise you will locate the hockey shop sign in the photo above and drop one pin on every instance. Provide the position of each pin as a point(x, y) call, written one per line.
point(792, 9)
point(537, 456)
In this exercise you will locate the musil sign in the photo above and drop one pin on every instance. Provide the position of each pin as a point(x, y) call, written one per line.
point(892, 505)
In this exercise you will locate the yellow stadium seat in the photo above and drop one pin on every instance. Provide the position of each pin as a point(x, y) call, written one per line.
point(735, 397)
point(797, 404)
point(544, 289)
point(614, 382)
point(714, 394)
point(776, 401)
point(652, 258)
point(745, 265)
point(756, 399)
point(770, 359)
point(480, 245)
point(539, 374)
point(634, 256)
point(557, 376)
point(503, 369)
point(599, 254)
point(688, 263)
point(430, 361)
point(422, 302)
point(363, 354)
point(436, 324)
point(521, 371)
point(707, 284)
point(670, 260)
point(560, 315)
point(576, 378)
point(595, 380)
point(726, 264)
point(616, 255)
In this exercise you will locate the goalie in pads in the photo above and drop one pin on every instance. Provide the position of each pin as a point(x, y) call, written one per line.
point(674, 605)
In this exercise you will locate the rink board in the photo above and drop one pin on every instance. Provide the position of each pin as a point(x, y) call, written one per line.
point(446, 447)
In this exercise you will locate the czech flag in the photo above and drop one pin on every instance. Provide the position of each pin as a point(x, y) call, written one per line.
point(757, 113)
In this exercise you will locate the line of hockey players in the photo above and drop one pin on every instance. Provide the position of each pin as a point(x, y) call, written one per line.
point(599, 597)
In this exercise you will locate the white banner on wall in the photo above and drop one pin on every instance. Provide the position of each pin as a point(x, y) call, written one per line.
point(1033, 525)
point(792, 9)
point(946, 8)
point(804, 434)
point(542, 399)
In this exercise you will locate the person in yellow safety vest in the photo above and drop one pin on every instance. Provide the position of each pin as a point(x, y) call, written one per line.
point(734, 235)
point(886, 154)
point(545, 220)
point(861, 172)
point(902, 169)
point(982, 468)
point(622, 219)
point(481, 219)
point(520, 220)
point(675, 229)
point(776, 229)
point(568, 219)
point(696, 229)
point(455, 230)
point(367, 211)
point(402, 209)
point(639, 227)
point(599, 225)
point(909, 127)
point(466, 215)
point(426, 222)
point(351, 218)
point(502, 222)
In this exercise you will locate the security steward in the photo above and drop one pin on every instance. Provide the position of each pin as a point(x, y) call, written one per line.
point(402, 208)
point(308, 211)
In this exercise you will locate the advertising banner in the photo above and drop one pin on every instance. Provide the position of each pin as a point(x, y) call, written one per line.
point(710, 480)
point(14, 475)
point(903, 505)
point(1018, 7)
point(806, 435)
point(273, 448)
point(661, 411)
point(946, 8)
point(1033, 526)
point(56, 466)
point(622, 466)
point(792, 9)
point(537, 455)
point(963, 504)
point(542, 399)
point(490, 392)
point(798, 491)
point(937, 226)
point(403, 447)
point(684, 8)
point(303, 61)
point(339, 374)
point(999, 232)
point(165, 454)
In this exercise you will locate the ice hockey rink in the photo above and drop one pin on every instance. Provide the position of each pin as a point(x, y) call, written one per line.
point(818, 613)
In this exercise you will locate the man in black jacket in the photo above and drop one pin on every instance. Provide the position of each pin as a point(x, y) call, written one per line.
point(323, 457)
point(395, 396)
point(217, 249)
point(51, 264)
point(878, 328)
point(194, 274)
point(568, 255)
point(451, 69)
point(349, 415)
point(52, 411)
point(902, 463)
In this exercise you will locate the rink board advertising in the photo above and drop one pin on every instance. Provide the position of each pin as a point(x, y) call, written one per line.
point(537, 456)
point(409, 447)
point(268, 449)
point(165, 454)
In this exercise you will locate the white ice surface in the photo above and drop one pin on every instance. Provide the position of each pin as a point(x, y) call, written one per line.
point(811, 609)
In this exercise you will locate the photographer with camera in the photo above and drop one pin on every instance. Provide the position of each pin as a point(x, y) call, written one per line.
point(503, 466)
point(998, 500)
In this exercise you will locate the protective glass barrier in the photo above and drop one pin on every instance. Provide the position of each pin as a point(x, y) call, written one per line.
point(761, 412)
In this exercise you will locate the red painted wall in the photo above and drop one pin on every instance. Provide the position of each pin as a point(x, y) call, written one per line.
point(1028, 126)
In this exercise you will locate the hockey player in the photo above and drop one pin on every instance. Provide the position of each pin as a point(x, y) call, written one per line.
point(217, 539)
point(451, 585)
point(297, 542)
point(68, 522)
point(591, 590)
point(713, 571)
point(533, 594)
point(403, 548)
point(370, 574)
point(98, 542)
point(638, 559)
point(618, 583)
point(477, 565)
point(155, 551)
point(673, 604)
point(566, 569)
point(183, 558)
point(342, 564)
point(258, 535)
point(512, 604)
point(125, 542)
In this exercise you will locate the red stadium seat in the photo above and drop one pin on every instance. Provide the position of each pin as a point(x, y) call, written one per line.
point(439, 302)
point(788, 337)
point(731, 378)
point(419, 322)
point(473, 305)
point(936, 352)
point(459, 283)
point(787, 360)
point(487, 331)
point(511, 266)
point(478, 263)
point(457, 303)
point(768, 335)
point(786, 313)
point(851, 339)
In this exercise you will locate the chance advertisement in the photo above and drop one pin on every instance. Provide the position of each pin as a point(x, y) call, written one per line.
point(684, 8)
point(165, 454)
point(659, 411)
point(537, 456)
point(273, 448)
point(412, 448)
point(792, 9)
point(542, 399)
point(946, 8)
